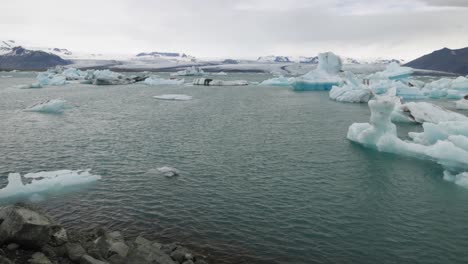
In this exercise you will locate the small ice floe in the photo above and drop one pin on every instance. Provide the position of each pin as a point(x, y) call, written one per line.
point(212, 82)
point(168, 171)
point(54, 106)
point(278, 81)
point(173, 97)
point(30, 86)
point(221, 73)
point(45, 182)
point(155, 80)
point(420, 112)
point(191, 71)
point(462, 104)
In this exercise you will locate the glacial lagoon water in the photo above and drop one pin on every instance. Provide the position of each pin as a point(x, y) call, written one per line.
point(266, 174)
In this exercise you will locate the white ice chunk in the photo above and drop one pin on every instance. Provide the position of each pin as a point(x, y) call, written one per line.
point(381, 134)
point(352, 91)
point(393, 72)
point(191, 71)
point(221, 73)
point(54, 106)
point(459, 179)
point(173, 97)
point(45, 182)
point(155, 80)
point(462, 104)
point(421, 112)
point(168, 171)
point(277, 81)
point(441, 131)
point(460, 83)
point(48, 78)
point(329, 63)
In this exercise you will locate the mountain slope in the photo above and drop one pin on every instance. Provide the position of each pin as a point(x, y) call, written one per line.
point(19, 58)
point(446, 60)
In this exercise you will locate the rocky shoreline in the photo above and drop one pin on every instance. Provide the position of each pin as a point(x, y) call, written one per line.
point(27, 235)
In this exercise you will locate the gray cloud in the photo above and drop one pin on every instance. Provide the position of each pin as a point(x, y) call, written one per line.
point(245, 28)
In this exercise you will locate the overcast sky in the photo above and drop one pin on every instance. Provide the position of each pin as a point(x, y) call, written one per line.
point(240, 29)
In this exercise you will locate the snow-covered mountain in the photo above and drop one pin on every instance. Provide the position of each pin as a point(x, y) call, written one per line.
point(19, 58)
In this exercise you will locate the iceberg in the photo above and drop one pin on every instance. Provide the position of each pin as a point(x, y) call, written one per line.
point(211, 82)
point(173, 97)
point(460, 83)
point(352, 91)
point(191, 71)
point(449, 148)
point(48, 78)
point(462, 104)
point(459, 179)
point(54, 106)
point(46, 181)
point(324, 77)
point(277, 81)
point(421, 112)
point(393, 72)
point(155, 80)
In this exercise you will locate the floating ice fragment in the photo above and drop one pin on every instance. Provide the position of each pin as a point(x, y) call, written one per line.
point(192, 71)
point(462, 104)
point(54, 106)
point(155, 80)
point(47, 181)
point(168, 171)
point(278, 81)
point(459, 179)
point(211, 82)
point(351, 92)
point(421, 112)
point(173, 97)
point(393, 72)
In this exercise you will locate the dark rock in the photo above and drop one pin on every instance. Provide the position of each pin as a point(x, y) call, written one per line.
point(200, 261)
point(59, 236)
point(12, 246)
point(181, 254)
point(145, 253)
point(117, 259)
point(112, 243)
point(168, 248)
point(39, 258)
point(26, 226)
point(4, 260)
point(87, 259)
point(75, 251)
